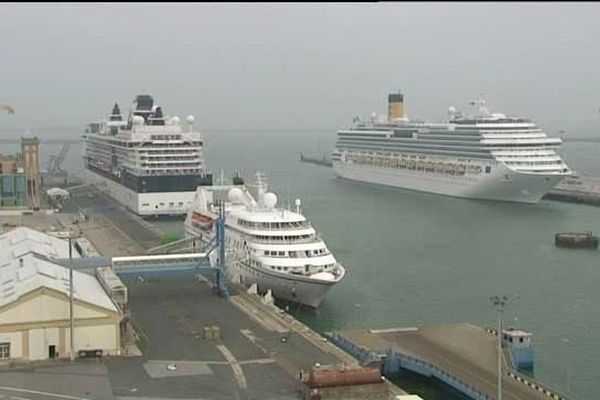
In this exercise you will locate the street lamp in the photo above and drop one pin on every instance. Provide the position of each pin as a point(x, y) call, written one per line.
point(71, 316)
point(566, 342)
point(499, 302)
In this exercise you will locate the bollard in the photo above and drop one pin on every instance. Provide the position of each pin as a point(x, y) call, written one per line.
point(216, 333)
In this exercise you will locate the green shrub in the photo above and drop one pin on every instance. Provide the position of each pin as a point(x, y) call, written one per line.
point(169, 238)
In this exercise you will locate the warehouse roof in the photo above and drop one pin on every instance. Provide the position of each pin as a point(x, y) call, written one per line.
point(26, 264)
point(30, 272)
point(20, 241)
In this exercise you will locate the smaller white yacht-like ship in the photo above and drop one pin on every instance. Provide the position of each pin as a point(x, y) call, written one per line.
point(272, 247)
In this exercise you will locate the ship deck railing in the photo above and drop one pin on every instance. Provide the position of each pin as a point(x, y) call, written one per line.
point(314, 239)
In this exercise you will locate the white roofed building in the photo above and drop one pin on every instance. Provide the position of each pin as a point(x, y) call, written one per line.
point(22, 240)
point(34, 301)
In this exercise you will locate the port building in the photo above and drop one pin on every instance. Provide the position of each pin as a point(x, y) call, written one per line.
point(19, 176)
point(34, 302)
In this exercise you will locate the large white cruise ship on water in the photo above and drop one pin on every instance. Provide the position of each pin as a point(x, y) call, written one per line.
point(485, 156)
point(272, 247)
point(148, 162)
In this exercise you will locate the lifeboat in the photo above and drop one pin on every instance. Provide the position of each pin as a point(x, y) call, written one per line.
point(202, 221)
point(450, 167)
point(474, 169)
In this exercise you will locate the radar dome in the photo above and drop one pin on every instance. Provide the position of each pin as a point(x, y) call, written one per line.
point(234, 195)
point(270, 199)
point(190, 119)
point(175, 120)
point(451, 110)
point(138, 120)
point(298, 203)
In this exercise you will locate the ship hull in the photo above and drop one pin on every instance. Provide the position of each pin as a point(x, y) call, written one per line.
point(292, 289)
point(144, 204)
point(501, 184)
point(286, 287)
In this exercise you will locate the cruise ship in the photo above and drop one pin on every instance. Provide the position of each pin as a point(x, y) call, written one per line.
point(275, 248)
point(149, 162)
point(487, 155)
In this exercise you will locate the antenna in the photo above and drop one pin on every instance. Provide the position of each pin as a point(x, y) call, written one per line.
point(288, 196)
point(318, 144)
point(483, 110)
point(261, 183)
point(261, 186)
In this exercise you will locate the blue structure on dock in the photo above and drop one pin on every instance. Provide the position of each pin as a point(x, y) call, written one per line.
point(220, 238)
point(518, 343)
point(518, 347)
point(165, 264)
point(392, 363)
point(424, 352)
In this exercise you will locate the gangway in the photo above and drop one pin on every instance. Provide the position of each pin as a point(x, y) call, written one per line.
point(84, 185)
point(142, 265)
point(192, 240)
point(164, 264)
point(161, 263)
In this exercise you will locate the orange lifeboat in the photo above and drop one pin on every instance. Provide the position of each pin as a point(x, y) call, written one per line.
point(202, 221)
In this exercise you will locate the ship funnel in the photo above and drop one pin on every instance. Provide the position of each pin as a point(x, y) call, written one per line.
point(116, 114)
point(395, 106)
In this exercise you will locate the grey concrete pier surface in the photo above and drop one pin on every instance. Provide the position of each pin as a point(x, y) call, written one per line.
point(462, 355)
point(578, 188)
point(258, 351)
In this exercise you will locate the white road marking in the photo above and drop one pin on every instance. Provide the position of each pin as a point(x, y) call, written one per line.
point(235, 365)
point(258, 361)
point(60, 396)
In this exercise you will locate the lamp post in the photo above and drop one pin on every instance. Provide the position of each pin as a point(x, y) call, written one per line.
point(499, 302)
point(71, 316)
point(566, 342)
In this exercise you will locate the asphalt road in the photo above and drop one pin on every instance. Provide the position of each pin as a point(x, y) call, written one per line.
point(171, 313)
point(98, 203)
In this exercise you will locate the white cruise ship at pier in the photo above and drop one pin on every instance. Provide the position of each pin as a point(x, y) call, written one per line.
point(148, 162)
point(272, 247)
point(487, 155)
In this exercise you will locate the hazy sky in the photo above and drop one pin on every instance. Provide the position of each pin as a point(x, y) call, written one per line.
point(300, 65)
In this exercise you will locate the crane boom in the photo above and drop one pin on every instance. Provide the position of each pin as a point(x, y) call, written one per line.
point(7, 108)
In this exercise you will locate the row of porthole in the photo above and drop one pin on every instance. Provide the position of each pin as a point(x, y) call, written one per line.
point(412, 164)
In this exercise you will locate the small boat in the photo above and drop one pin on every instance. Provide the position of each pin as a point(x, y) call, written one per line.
point(202, 221)
point(576, 240)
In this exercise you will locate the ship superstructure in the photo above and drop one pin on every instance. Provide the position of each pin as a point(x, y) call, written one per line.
point(149, 162)
point(275, 248)
point(484, 156)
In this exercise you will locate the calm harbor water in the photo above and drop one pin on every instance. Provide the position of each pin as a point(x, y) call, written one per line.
point(416, 258)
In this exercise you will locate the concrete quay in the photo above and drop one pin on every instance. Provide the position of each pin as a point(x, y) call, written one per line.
point(463, 356)
point(259, 353)
point(583, 189)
